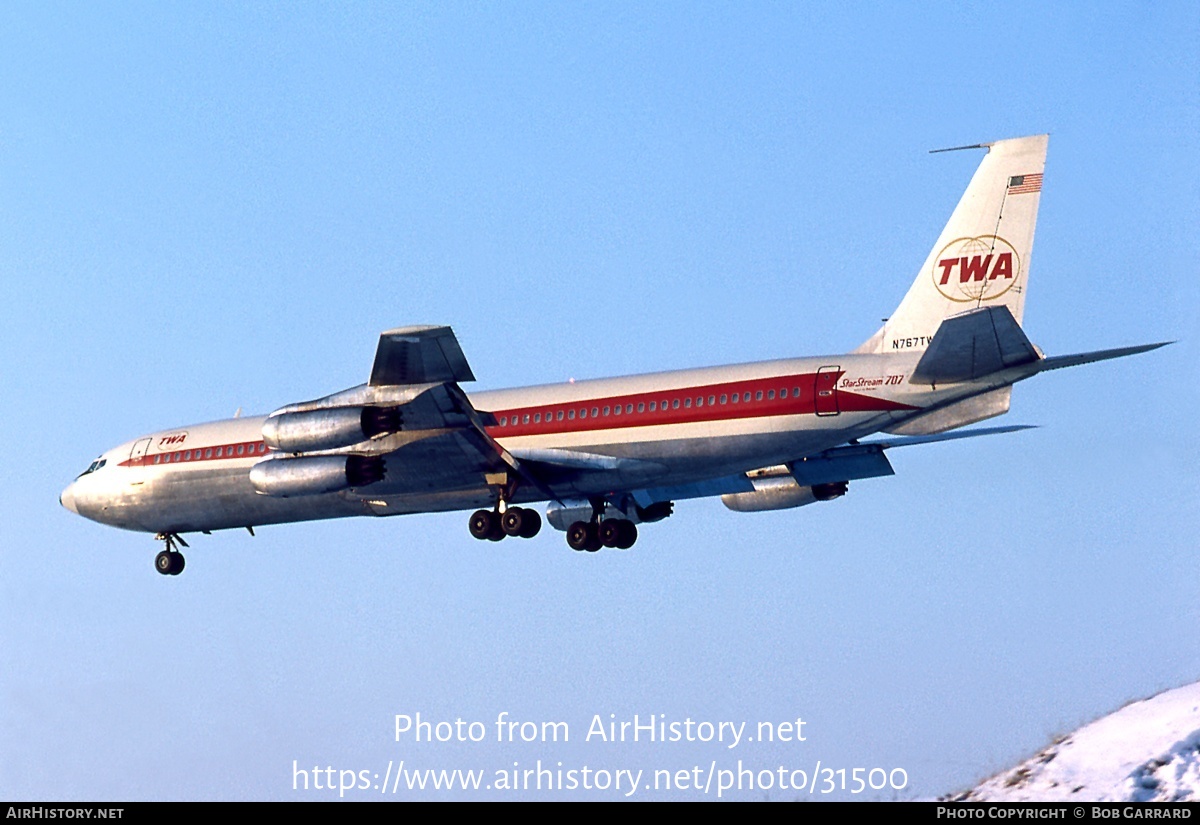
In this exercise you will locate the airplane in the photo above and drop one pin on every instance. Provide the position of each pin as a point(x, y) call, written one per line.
point(611, 454)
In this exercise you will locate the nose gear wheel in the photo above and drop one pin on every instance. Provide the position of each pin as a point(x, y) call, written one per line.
point(170, 562)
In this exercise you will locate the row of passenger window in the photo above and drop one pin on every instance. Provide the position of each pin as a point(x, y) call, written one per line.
point(230, 451)
point(644, 406)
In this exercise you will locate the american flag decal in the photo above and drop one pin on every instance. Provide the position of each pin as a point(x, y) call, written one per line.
point(1023, 184)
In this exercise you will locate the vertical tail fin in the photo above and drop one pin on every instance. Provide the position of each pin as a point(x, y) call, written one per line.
point(982, 257)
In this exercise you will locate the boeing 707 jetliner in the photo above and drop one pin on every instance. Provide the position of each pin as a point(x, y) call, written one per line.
point(613, 453)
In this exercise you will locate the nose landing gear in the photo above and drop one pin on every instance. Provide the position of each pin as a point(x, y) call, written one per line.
point(170, 562)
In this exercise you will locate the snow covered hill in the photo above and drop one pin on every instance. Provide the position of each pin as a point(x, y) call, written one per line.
point(1148, 751)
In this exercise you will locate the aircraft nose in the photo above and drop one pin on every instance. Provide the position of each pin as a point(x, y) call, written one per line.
point(67, 499)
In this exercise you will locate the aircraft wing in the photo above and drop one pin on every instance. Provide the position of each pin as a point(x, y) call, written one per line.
point(443, 444)
point(447, 446)
point(419, 355)
point(412, 414)
point(847, 462)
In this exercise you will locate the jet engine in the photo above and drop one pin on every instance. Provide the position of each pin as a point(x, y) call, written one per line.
point(313, 475)
point(781, 493)
point(328, 429)
point(562, 514)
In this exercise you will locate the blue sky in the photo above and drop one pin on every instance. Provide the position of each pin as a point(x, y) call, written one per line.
point(205, 207)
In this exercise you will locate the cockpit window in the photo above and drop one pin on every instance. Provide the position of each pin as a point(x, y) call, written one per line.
point(95, 465)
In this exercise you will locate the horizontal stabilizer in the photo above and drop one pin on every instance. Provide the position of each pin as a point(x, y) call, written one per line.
point(865, 459)
point(957, 414)
point(972, 345)
point(419, 355)
point(907, 440)
point(1059, 361)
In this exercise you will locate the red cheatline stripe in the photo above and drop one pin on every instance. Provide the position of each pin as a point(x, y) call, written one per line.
point(779, 395)
point(218, 452)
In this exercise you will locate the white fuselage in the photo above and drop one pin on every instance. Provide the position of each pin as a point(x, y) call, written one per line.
point(663, 429)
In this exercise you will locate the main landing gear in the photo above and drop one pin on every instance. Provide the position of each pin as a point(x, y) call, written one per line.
point(170, 562)
point(598, 531)
point(592, 535)
point(504, 520)
point(517, 522)
point(590, 523)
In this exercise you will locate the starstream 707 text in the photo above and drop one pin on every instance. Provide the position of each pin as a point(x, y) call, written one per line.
point(544, 776)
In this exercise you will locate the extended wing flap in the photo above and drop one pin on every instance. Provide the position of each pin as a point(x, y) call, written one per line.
point(725, 485)
point(440, 406)
point(972, 345)
point(457, 452)
point(457, 459)
point(419, 355)
point(842, 464)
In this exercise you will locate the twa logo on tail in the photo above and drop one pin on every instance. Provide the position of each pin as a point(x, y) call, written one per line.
point(976, 269)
